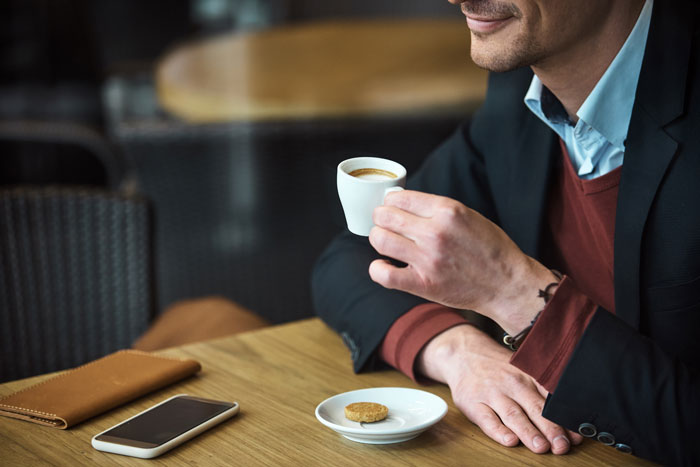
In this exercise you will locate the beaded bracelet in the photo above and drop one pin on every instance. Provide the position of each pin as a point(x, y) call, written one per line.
point(513, 342)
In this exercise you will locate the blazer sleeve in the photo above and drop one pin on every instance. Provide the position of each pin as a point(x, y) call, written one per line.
point(622, 389)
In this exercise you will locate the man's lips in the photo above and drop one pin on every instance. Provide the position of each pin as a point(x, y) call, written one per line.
point(483, 22)
point(486, 25)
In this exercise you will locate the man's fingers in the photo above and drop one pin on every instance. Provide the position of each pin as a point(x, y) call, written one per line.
point(415, 202)
point(559, 437)
point(575, 438)
point(515, 418)
point(387, 275)
point(483, 416)
point(399, 221)
point(556, 435)
point(394, 245)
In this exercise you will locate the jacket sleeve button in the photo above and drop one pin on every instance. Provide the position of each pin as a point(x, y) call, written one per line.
point(623, 448)
point(606, 438)
point(587, 429)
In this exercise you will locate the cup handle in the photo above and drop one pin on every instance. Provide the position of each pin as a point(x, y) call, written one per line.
point(392, 189)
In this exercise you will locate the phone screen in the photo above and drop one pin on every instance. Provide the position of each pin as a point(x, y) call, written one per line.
point(164, 422)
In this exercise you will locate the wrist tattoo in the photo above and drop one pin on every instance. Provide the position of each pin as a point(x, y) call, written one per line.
point(513, 342)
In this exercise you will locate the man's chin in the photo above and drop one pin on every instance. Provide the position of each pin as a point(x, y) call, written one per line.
point(492, 63)
point(494, 57)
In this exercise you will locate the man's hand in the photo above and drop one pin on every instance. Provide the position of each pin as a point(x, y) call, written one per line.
point(503, 401)
point(455, 257)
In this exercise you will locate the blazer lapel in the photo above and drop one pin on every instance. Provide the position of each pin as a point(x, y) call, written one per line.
point(660, 99)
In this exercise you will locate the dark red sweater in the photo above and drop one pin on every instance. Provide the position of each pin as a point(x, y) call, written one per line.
point(582, 223)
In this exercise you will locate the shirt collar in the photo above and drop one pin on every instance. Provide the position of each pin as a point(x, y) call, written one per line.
point(608, 108)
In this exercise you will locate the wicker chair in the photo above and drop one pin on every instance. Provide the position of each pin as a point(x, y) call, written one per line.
point(75, 274)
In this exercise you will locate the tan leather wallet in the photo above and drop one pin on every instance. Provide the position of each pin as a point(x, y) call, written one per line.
point(83, 392)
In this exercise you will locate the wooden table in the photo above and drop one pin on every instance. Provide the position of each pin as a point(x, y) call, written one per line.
point(319, 70)
point(279, 375)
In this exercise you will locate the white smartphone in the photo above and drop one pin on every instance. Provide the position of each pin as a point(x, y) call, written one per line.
point(165, 425)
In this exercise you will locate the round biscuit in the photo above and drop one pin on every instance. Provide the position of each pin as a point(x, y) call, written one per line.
point(366, 412)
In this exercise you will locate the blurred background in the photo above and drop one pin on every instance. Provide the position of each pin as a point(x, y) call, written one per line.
point(223, 121)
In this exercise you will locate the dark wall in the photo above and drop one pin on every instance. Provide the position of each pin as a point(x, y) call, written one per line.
point(45, 41)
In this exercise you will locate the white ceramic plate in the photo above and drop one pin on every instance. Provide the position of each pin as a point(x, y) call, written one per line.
point(411, 412)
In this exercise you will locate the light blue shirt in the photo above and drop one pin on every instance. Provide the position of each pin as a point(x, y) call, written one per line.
point(596, 144)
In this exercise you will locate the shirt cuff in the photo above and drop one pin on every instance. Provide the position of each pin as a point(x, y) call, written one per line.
point(412, 331)
point(548, 347)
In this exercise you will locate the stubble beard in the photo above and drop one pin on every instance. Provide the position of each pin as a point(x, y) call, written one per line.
point(516, 53)
point(501, 54)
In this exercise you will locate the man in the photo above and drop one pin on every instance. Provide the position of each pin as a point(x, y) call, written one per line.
point(594, 175)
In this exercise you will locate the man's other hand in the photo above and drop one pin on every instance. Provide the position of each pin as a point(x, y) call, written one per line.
point(502, 400)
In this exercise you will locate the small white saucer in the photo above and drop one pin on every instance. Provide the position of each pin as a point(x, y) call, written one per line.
point(411, 412)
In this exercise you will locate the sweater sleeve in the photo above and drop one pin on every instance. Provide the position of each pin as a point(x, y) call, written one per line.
point(412, 331)
point(548, 347)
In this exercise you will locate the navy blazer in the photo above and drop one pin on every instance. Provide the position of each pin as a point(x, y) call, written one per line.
point(634, 375)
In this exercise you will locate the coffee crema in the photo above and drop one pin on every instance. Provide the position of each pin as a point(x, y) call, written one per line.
point(373, 174)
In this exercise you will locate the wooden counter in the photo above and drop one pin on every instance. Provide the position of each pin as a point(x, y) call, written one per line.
point(279, 375)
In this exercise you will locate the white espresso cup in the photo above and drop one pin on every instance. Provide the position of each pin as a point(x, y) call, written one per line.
point(363, 182)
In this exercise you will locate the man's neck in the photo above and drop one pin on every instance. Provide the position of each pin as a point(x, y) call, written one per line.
point(572, 74)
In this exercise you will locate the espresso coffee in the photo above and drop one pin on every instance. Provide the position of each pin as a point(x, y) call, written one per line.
point(363, 183)
point(373, 174)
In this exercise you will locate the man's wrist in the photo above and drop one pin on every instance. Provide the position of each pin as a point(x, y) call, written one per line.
point(412, 331)
point(521, 300)
point(434, 359)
